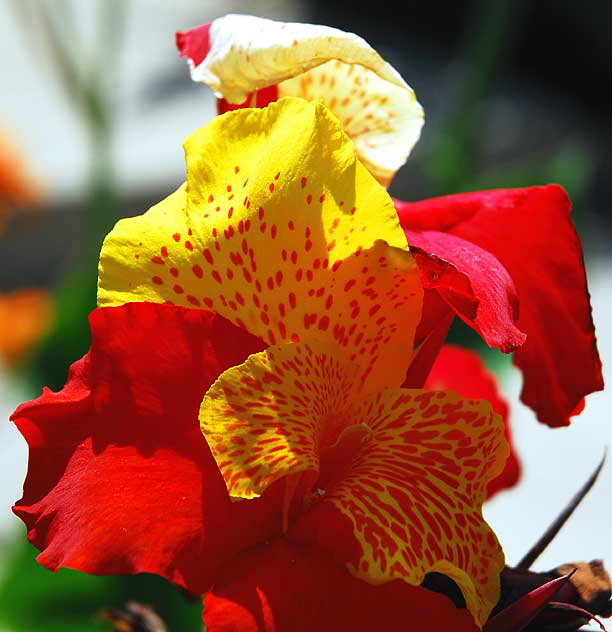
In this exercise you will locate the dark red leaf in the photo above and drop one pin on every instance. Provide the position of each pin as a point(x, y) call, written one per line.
point(518, 614)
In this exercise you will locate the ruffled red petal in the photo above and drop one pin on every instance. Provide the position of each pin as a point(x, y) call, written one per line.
point(530, 232)
point(120, 478)
point(284, 587)
point(462, 371)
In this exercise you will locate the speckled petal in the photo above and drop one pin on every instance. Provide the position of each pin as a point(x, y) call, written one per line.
point(268, 417)
point(281, 230)
point(413, 493)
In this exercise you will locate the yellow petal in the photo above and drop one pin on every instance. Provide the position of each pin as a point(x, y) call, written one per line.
point(415, 489)
point(378, 109)
point(281, 230)
point(268, 417)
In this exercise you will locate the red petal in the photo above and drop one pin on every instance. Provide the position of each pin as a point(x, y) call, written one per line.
point(120, 477)
point(462, 371)
point(428, 351)
point(194, 43)
point(283, 587)
point(531, 233)
point(472, 282)
point(263, 97)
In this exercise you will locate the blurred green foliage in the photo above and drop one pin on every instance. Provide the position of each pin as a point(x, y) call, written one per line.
point(32, 598)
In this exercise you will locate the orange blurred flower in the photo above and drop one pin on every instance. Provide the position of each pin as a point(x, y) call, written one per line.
point(25, 316)
point(18, 188)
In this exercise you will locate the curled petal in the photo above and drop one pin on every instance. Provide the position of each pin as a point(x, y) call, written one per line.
point(410, 500)
point(281, 230)
point(472, 282)
point(284, 587)
point(120, 479)
point(463, 371)
point(530, 232)
point(238, 55)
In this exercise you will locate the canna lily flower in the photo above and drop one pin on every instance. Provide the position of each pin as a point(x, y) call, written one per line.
point(241, 401)
point(248, 60)
point(509, 264)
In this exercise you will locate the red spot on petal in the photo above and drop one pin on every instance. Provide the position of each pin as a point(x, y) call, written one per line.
point(176, 237)
point(157, 280)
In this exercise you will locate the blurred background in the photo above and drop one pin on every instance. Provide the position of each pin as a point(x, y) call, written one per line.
point(94, 106)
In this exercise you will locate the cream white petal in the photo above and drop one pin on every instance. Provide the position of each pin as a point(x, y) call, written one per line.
point(377, 108)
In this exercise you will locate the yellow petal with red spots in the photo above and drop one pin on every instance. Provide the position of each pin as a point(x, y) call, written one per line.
point(415, 488)
point(268, 417)
point(407, 468)
point(281, 230)
point(377, 108)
